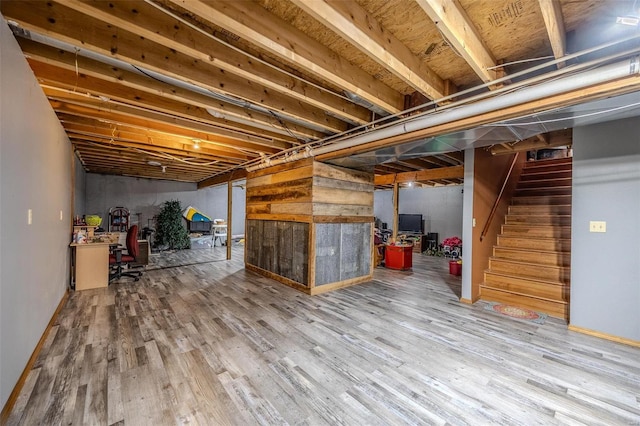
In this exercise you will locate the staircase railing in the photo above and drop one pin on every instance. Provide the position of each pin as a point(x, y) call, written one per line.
point(499, 198)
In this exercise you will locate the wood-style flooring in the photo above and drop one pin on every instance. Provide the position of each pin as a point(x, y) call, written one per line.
point(212, 344)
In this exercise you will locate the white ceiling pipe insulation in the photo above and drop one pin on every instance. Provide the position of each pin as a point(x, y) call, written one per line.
point(605, 74)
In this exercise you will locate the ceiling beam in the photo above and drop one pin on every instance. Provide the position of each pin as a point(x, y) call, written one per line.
point(152, 23)
point(252, 22)
point(421, 175)
point(79, 104)
point(362, 30)
point(461, 34)
point(66, 116)
point(85, 32)
point(230, 112)
point(552, 15)
point(154, 141)
point(223, 178)
point(113, 93)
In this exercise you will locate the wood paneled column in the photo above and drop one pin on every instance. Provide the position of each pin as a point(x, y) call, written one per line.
point(310, 225)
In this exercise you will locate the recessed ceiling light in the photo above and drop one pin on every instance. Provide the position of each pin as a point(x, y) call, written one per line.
point(632, 21)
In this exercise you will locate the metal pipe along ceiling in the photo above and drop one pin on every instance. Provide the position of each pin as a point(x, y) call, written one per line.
point(525, 95)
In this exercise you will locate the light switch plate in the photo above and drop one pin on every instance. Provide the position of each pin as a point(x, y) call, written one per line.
point(597, 226)
point(29, 217)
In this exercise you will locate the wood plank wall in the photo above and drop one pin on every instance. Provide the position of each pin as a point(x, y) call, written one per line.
point(337, 205)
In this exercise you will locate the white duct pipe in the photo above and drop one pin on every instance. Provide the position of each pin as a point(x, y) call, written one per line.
point(566, 84)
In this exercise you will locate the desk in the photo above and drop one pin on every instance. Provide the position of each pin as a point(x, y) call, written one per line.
point(219, 232)
point(91, 265)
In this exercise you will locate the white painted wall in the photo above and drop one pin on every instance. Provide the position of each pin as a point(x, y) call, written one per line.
point(441, 208)
point(146, 196)
point(35, 173)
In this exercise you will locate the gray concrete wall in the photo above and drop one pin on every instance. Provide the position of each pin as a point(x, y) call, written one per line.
point(605, 267)
point(146, 196)
point(441, 208)
point(35, 174)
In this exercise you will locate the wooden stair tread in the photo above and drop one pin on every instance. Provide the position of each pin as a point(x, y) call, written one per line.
point(531, 250)
point(529, 278)
point(562, 302)
point(519, 262)
point(527, 237)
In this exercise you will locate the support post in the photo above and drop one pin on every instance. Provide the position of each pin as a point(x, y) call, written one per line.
point(396, 194)
point(229, 211)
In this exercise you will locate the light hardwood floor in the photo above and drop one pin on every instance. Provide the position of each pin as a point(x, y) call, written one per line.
point(212, 344)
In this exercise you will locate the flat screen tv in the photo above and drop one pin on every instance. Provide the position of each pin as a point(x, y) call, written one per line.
point(410, 223)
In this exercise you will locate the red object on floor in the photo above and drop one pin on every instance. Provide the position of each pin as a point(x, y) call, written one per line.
point(398, 257)
point(455, 268)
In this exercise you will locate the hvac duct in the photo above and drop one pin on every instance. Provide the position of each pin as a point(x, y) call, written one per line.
point(525, 95)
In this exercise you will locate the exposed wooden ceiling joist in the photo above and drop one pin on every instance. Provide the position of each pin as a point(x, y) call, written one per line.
point(461, 34)
point(553, 21)
point(150, 22)
point(53, 19)
point(363, 31)
point(422, 175)
point(77, 103)
point(81, 67)
point(252, 22)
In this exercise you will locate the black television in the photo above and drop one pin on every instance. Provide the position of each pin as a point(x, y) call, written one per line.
point(410, 223)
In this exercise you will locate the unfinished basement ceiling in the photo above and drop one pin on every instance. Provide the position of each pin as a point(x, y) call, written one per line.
point(206, 89)
point(507, 134)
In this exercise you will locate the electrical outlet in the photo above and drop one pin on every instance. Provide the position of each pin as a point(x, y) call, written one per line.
point(597, 226)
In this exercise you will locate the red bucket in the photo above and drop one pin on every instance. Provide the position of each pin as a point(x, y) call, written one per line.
point(455, 268)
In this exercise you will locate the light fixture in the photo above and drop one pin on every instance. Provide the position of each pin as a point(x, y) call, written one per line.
point(154, 163)
point(196, 143)
point(164, 169)
point(631, 19)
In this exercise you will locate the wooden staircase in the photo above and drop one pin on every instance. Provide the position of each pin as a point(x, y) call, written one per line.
point(531, 263)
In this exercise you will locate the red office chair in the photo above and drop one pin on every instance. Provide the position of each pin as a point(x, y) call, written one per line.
point(117, 260)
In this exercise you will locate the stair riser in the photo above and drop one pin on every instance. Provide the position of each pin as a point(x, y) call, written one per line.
point(554, 309)
point(527, 192)
point(542, 258)
point(537, 175)
point(541, 200)
point(546, 291)
point(534, 243)
point(541, 183)
point(536, 231)
point(544, 272)
point(511, 219)
point(540, 210)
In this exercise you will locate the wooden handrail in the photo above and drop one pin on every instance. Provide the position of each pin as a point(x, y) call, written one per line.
point(495, 205)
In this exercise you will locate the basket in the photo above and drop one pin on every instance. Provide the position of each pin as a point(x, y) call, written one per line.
point(92, 220)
